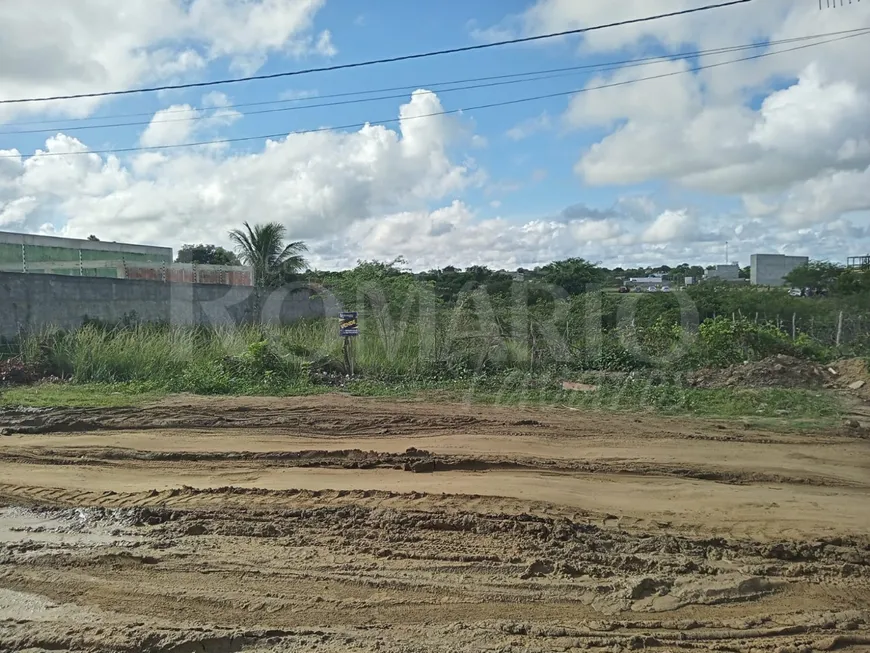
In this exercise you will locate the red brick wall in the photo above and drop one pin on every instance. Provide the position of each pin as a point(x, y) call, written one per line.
point(187, 275)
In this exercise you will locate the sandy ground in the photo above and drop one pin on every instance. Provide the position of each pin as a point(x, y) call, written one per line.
point(336, 524)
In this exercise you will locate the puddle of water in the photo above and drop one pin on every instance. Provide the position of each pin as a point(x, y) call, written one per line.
point(68, 527)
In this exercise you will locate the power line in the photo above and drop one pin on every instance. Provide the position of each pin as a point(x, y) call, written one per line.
point(491, 105)
point(656, 58)
point(503, 80)
point(372, 62)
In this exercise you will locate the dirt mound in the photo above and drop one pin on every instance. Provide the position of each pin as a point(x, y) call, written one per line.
point(779, 371)
point(15, 372)
point(854, 374)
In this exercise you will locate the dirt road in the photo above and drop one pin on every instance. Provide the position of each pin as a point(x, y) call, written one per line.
point(336, 524)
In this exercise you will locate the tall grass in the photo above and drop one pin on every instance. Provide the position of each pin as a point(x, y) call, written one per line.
point(448, 346)
point(459, 361)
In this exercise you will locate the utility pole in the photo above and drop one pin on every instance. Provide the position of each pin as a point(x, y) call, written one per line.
point(726, 252)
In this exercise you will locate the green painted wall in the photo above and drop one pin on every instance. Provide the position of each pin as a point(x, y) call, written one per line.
point(93, 255)
point(10, 254)
point(38, 256)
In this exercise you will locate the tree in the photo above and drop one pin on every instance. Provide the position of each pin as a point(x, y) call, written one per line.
point(852, 282)
point(93, 237)
point(206, 255)
point(573, 275)
point(262, 247)
point(821, 275)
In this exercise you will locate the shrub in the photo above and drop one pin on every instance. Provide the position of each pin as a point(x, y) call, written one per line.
point(724, 342)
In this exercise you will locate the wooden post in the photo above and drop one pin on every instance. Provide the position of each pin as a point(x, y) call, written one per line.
point(839, 327)
point(793, 329)
point(756, 317)
point(347, 360)
point(348, 329)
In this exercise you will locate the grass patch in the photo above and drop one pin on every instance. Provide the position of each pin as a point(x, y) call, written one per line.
point(761, 407)
point(794, 407)
point(87, 395)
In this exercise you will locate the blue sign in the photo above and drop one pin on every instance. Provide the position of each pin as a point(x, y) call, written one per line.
point(347, 324)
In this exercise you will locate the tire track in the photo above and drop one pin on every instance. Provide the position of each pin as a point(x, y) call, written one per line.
point(418, 461)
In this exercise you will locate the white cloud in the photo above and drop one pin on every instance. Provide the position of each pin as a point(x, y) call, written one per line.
point(799, 156)
point(668, 99)
point(315, 183)
point(324, 45)
point(787, 135)
point(826, 198)
point(797, 132)
point(715, 28)
point(55, 47)
point(16, 211)
point(449, 235)
point(530, 127)
point(180, 123)
point(596, 230)
point(456, 235)
point(215, 99)
point(244, 29)
point(671, 226)
point(364, 195)
point(167, 127)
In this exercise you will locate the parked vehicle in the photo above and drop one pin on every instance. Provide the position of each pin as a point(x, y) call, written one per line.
point(795, 292)
point(623, 289)
point(666, 289)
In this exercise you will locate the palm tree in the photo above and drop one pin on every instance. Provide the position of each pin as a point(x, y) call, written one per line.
point(262, 247)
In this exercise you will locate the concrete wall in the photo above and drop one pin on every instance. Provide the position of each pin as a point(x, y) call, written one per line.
point(728, 272)
point(33, 240)
point(771, 269)
point(32, 301)
point(73, 257)
point(230, 275)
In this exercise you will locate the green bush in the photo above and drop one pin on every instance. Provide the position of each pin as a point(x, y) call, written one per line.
point(723, 342)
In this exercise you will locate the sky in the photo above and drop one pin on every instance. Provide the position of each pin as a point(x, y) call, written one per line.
point(771, 155)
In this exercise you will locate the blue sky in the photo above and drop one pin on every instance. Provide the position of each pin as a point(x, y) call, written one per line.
point(661, 171)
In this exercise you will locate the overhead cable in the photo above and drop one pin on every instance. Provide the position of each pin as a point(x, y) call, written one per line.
point(373, 62)
point(205, 113)
point(479, 107)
